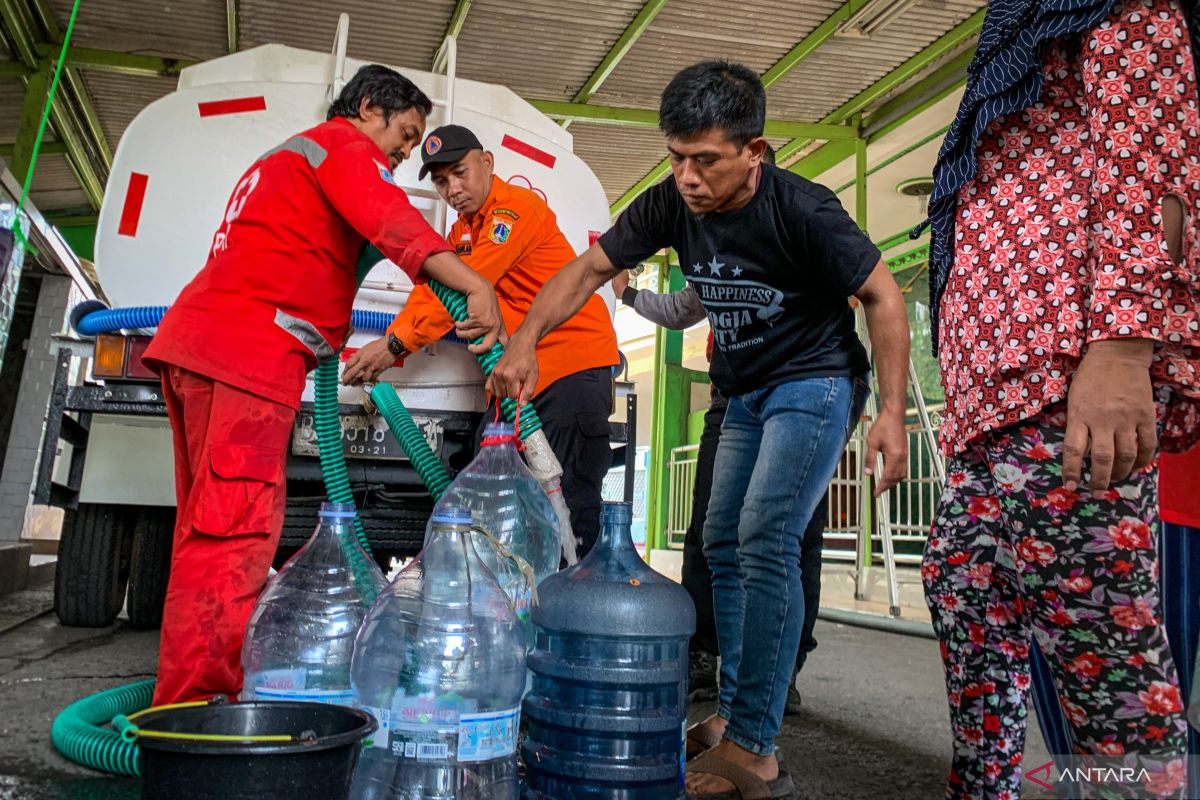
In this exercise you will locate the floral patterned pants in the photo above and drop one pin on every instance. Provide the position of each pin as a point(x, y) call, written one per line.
point(1014, 556)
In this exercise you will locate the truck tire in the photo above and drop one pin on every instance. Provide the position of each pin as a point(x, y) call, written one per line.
point(89, 582)
point(150, 566)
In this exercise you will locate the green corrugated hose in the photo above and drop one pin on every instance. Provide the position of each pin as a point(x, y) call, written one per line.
point(77, 733)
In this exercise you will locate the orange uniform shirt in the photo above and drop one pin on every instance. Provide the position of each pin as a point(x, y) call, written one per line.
point(514, 241)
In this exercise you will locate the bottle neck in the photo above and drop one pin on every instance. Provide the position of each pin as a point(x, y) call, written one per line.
point(448, 545)
point(615, 536)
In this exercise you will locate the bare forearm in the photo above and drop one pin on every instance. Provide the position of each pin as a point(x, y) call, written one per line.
point(887, 324)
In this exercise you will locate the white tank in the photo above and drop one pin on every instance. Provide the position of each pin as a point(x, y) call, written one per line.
point(181, 156)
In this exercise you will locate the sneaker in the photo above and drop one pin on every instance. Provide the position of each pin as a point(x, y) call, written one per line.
point(792, 707)
point(702, 676)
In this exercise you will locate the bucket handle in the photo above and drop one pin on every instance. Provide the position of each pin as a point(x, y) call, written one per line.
point(131, 732)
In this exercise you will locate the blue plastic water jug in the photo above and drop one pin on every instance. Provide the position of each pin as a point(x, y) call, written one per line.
point(608, 707)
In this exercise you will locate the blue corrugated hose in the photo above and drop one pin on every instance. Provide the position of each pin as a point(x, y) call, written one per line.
point(115, 319)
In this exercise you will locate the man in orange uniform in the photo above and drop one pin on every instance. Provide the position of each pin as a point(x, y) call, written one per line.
point(510, 236)
point(272, 301)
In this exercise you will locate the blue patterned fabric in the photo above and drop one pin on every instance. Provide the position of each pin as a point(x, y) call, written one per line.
point(1005, 76)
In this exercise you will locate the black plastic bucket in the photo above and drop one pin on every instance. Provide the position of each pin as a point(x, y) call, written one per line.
point(319, 763)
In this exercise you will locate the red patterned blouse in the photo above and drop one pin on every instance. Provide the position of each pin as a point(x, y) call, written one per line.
point(1060, 238)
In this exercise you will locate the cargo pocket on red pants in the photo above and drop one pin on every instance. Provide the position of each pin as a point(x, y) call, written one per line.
point(240, 493)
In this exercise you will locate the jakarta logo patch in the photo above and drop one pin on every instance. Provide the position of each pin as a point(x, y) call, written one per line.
point(499, 230)
point(433, 144)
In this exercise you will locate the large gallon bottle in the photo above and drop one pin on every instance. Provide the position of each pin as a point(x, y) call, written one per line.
point(301, 634)
point(440, 662)
point(607, 710)
point(510, 504)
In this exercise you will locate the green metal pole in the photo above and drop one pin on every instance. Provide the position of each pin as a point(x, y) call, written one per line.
point(956, 38)
point(31, 117)
point(620, 49)
point(860, 216)
point(668, 416)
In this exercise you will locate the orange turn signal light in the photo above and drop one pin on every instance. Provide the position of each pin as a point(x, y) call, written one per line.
point(110, 357)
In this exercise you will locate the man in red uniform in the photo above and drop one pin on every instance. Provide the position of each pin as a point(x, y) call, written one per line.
point(273, 300)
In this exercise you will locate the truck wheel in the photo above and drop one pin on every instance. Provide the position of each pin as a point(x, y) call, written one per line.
point(89, 584)
point(150, 566)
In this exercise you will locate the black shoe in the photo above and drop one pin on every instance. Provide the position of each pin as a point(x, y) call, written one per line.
point(702, 676)
point(792, 707)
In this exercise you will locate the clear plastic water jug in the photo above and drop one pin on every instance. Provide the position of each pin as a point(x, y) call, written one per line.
point(440, 663)
point(608, 706)
point(300, 637)
point(510, 504)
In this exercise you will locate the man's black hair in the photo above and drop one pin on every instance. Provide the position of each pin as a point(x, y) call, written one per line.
point(769, 155)
point(383, 87)
point(714, 94)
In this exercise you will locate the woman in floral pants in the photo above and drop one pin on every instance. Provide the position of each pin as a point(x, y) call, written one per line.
point(1065, 281)
point(1014, 555)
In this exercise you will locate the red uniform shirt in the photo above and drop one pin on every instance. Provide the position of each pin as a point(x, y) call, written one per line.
point(276, 294)
point(1179, 487)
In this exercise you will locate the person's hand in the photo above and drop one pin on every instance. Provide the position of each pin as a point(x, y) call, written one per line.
point(368, 363)
point(1110, 414)
point(516, 372)
point(888, 437)
point(620, 282)
point(483, 318)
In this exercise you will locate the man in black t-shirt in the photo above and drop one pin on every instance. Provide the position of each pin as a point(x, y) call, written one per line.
point(774, 259)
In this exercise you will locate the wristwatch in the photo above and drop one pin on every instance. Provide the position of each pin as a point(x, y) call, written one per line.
point(395, 346)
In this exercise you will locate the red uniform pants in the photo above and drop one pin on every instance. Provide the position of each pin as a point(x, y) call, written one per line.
point(230, 451)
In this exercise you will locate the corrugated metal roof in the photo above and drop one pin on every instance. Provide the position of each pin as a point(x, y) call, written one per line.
point(761, 32)
point(12, 96)
point(55, 185)
point(188, 28)
point(119, 98)
point(843, 67)
point(541, 48)
point(619, 156)
point(400, 34)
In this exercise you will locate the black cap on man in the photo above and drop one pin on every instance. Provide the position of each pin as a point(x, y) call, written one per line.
point(446, 145)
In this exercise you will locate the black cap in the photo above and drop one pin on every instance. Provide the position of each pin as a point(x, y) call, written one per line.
point(446, 145)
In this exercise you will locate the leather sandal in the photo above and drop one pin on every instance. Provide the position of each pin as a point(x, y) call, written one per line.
point(746, 785)
point(700, 740)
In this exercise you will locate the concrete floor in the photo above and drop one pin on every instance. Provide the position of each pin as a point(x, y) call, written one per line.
point(874, 723)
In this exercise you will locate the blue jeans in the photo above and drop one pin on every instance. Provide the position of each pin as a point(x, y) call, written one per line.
point(779, 450)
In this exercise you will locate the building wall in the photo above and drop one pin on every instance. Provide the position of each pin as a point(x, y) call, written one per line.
point(24, 443)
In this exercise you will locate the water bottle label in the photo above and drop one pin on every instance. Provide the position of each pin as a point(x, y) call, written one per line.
point(338, 697)
point(382, 737)
point(483, 737)
point(522, 604)
point(422, 729)
point(287, 679)
point(682, 752)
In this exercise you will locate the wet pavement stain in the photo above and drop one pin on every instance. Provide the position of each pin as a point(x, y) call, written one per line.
point(13, 788)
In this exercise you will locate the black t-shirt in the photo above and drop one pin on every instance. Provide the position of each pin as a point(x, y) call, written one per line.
point(774, 276)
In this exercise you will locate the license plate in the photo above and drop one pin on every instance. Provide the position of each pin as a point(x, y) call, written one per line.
point(363, 437)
